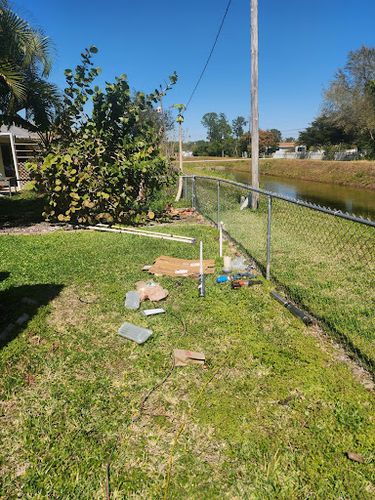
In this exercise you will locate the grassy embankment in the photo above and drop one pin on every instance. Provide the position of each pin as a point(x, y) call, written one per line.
point(359, 174)
point(272, 416)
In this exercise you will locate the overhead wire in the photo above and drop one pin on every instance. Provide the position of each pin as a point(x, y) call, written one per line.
point(210, 54)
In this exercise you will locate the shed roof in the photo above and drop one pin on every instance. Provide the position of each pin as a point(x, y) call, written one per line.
point(18, 132)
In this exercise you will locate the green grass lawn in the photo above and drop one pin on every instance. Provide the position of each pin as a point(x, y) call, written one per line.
point(271, 416)
point(24, 208)
point(326, 264)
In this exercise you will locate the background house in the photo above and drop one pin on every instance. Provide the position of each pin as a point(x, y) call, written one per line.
point(17, 146)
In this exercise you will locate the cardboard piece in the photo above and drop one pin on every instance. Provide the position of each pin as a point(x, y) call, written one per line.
point(170, 266)
point(181, 357)
point(151, 291)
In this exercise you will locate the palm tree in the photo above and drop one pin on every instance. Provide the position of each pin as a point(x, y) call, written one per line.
point(25, 63)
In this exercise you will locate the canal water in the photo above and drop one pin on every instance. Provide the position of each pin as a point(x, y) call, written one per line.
point(353, 200)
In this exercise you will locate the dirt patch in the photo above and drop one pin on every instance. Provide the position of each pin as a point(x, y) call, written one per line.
point(70, 308)
point(340, 355)
point(40, 228)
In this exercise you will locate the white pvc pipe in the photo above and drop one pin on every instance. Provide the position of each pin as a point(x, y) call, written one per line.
point(201, 258)
point(220, 239)
point(160, 236)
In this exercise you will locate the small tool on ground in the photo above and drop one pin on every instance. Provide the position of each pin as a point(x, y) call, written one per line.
point(241, 283)
point(223, 278)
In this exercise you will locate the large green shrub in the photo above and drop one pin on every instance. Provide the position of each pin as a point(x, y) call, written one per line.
point(105, 164)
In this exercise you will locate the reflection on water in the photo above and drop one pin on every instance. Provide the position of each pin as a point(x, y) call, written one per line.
point(348, 199)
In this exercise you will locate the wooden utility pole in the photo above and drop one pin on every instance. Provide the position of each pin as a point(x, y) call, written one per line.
point(254, 102)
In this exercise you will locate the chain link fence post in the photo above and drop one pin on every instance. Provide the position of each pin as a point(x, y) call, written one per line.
point(185, 189)
point(269, 221)
point(193, 201)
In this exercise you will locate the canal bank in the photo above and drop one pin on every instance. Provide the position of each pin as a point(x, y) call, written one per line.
point(355, 200)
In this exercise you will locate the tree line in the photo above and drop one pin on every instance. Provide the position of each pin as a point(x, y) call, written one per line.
point(347, 118)
point(226, 138)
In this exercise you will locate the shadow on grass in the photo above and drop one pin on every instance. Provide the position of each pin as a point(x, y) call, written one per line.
point(4, 275)
point(21, 210)
point(19, 304)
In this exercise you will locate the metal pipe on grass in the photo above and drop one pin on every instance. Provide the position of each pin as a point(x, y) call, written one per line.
point(201, 287)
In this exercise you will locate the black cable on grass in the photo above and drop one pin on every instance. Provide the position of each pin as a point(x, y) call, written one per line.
point(132, 421)
point(183, 424)
point(151, 391)
point(181, 320)
point(144, 400)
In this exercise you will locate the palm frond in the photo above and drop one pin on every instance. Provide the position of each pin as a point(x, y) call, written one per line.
point(13, 80)
point(20, 42)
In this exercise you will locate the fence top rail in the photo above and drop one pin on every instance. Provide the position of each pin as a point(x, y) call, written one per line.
point(312, 206)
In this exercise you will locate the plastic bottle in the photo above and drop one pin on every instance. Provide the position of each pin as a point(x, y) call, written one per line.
point(227, 264)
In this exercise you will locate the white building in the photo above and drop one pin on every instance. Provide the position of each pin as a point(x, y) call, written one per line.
point(17, 146)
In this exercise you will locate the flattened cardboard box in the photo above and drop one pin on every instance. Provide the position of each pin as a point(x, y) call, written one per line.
point(181, 357)
point(171, 266)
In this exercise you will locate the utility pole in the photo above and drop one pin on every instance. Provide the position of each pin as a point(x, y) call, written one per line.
point(254, 102)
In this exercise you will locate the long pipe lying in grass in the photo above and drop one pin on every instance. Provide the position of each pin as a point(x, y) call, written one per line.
point(141, 232)
point(292, 308)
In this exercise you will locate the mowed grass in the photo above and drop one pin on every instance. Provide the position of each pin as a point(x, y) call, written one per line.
point(273, 414)
point(24, 208)
point(325, 263)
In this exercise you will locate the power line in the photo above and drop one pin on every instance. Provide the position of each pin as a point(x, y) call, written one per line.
point(210, 54)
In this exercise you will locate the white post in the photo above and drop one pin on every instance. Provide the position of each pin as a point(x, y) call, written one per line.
point(14, 154)
point(179, 192)
point(201, 287)
point(220, 239)
point(254, 103)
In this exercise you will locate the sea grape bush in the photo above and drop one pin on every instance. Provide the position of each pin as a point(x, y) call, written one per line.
point(103, 163)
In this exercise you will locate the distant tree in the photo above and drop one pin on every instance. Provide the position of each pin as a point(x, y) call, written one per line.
point(289, 139)
point(238, 127)
point(268, 142)
point(211, 122)
point(323, 131)
point(277, 134)
point(218, 131)
point(350, 99)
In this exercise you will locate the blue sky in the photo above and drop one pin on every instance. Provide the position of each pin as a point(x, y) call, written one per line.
point(302, 43)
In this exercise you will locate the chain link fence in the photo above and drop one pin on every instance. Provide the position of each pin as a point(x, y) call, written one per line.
point(323, 259)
